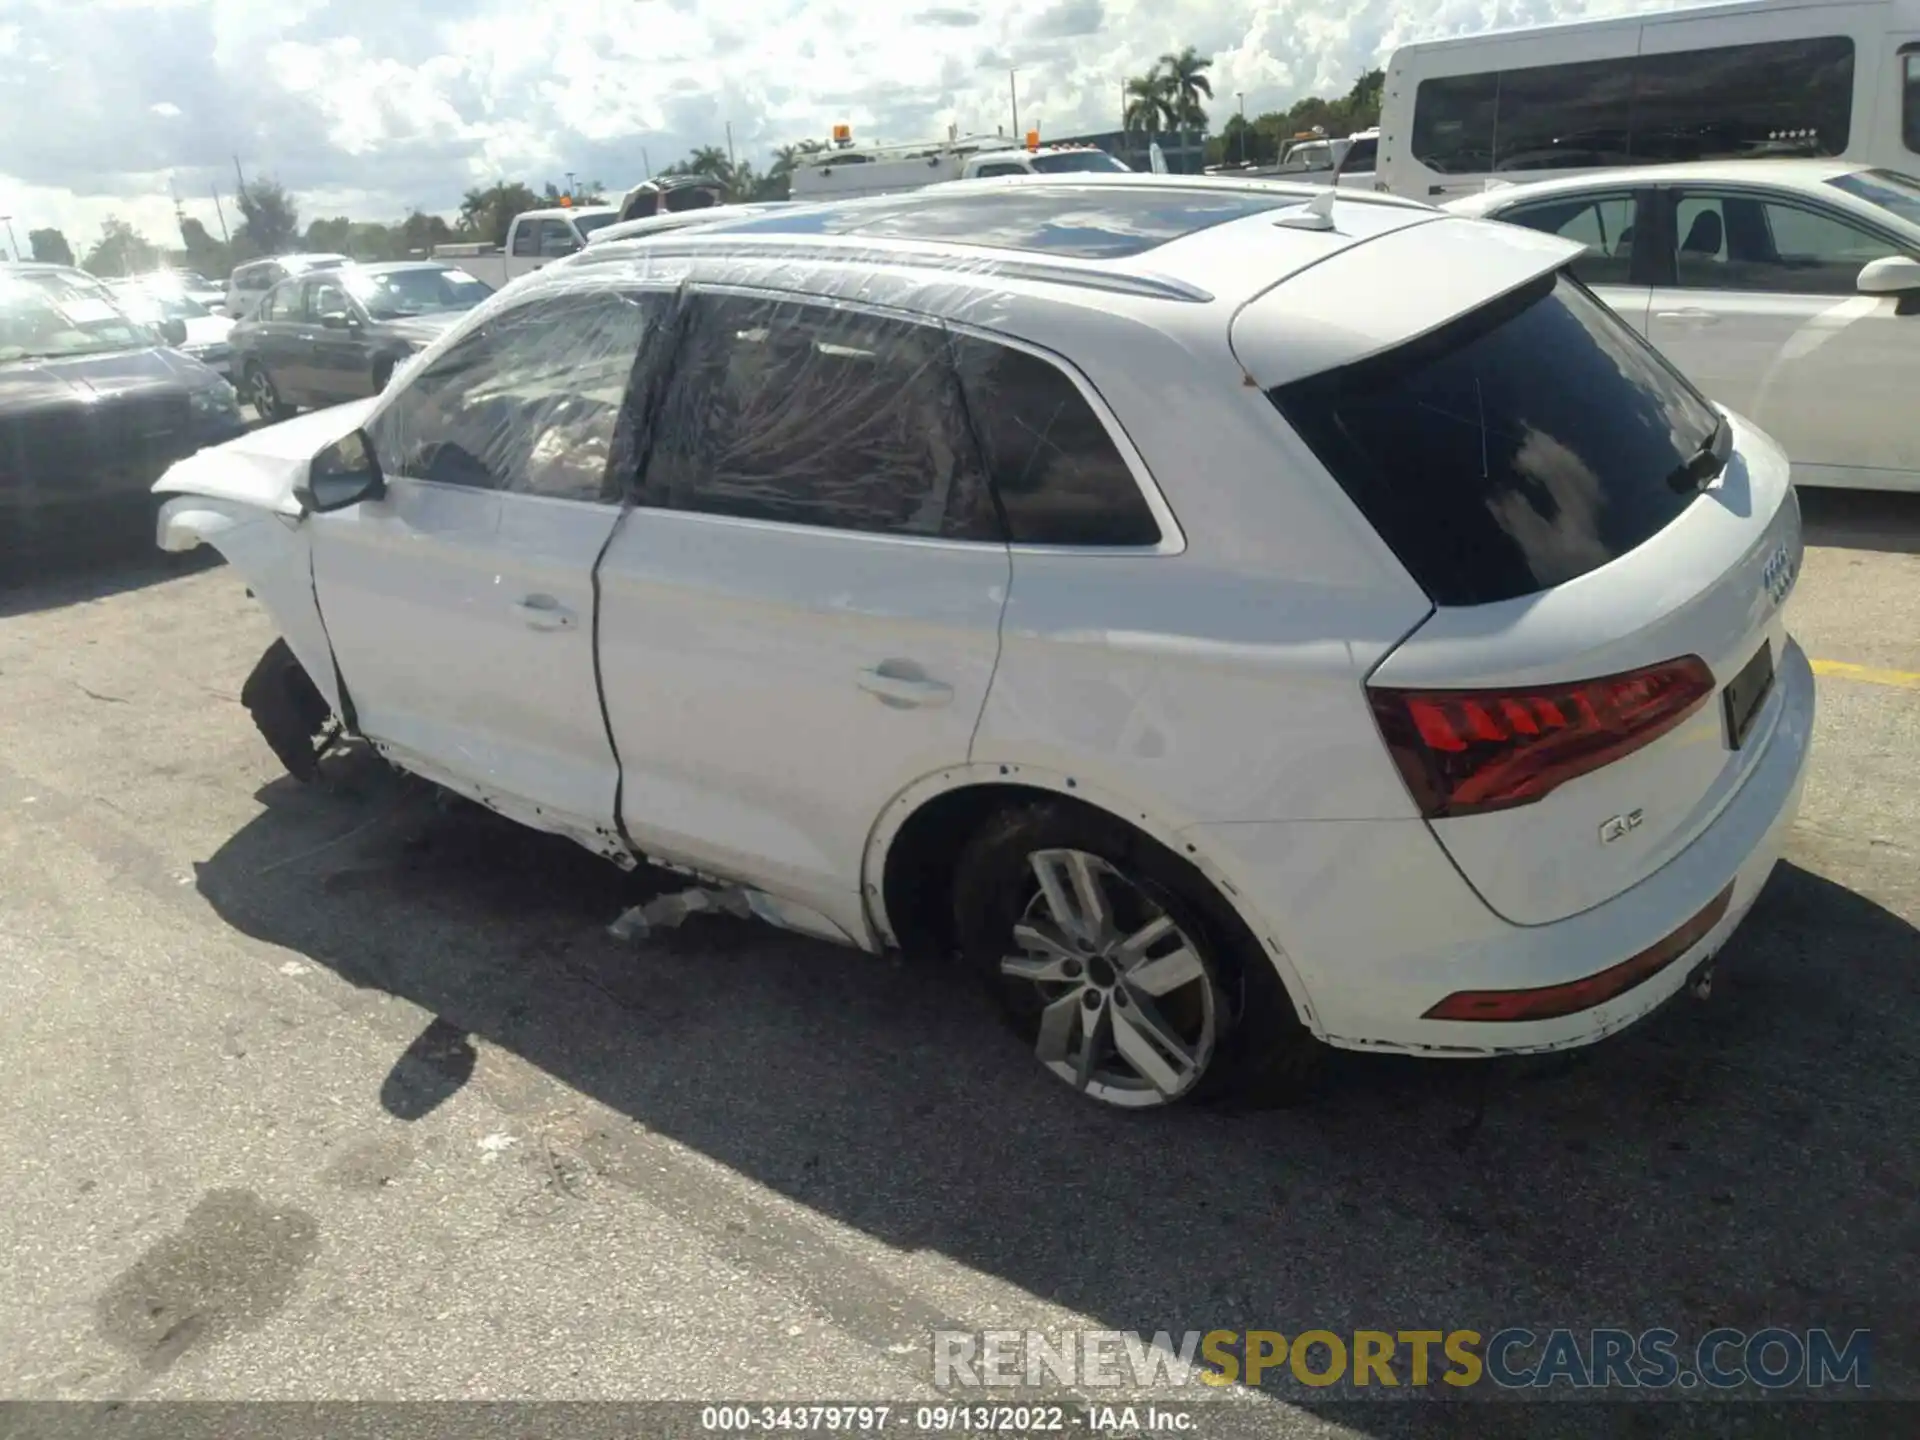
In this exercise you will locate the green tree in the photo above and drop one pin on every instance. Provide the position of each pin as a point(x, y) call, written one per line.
point(1185, 76)
point(333, 235)
point(270, 221)
point(585, 192)
point(486, 213)
point(121, 250)
point(420, 232)
point(204, 253)
point(50, 247)
point(1150, 103)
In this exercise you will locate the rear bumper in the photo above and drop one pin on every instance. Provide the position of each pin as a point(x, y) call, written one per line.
point(1376, 926)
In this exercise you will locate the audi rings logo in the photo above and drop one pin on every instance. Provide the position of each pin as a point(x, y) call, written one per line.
point(1778, 573)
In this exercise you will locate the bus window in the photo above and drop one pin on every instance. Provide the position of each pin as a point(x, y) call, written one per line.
point(1730, 102)
point(1910, 111)
point(1740, 102)
point(1453, 123)
point(1563, 116)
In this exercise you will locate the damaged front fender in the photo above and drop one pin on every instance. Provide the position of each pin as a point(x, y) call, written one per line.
point(271, 552)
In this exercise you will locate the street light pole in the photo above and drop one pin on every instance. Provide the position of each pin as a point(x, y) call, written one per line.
point(13, 245)
point(1243, 125)
point(1013, 95)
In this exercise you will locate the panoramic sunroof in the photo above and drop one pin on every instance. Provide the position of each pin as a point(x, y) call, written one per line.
point(1089, 223)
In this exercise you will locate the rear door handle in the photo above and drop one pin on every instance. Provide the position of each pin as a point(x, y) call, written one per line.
point(543, 612)
point(1696, 317)
point(903, 690)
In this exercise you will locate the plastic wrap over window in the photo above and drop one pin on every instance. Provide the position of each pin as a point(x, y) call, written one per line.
point(1060, 477)
point(530, 402)
point(817, 415)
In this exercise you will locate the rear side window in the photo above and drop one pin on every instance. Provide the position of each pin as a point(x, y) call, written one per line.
point(815, 415)
point(526, 238)
point(1603, 223)
point(1060, 477)
point(1513, 450)
point(1361, 157)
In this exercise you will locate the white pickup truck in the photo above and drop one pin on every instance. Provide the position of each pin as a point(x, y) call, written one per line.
point(535, 238)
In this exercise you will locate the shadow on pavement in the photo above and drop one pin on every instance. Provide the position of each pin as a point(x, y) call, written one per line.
point(91, 568)
point(1748, 1161)
point(1862, 520)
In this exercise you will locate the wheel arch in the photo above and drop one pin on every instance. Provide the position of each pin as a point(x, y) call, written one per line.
point(912, 848)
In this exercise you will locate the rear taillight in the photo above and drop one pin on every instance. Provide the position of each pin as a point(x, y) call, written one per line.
point(1464, 752)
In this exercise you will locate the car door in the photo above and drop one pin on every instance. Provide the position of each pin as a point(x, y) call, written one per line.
point(339, 356)
point(1606, 222)
point(801, 615)
point(1763, 312)
point(276, 328)
point(461, 605)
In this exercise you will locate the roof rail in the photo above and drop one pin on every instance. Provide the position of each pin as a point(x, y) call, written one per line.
point(709, 244)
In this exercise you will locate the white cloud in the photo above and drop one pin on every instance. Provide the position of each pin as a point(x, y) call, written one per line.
point(370, 107)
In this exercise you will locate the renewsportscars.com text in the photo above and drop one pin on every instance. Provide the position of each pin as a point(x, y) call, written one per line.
point(1514, 1358)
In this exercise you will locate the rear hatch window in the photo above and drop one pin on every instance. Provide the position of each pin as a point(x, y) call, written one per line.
point(1512, 450)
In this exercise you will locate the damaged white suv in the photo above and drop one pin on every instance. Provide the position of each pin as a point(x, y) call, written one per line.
point(1235, 619)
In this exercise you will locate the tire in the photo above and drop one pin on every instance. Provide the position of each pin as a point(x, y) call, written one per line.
point(288, 710)
point(1180, 1001)
point(261, 393)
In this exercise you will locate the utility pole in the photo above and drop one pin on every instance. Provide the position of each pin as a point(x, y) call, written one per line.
point(1013, 94)
point(13, 245)
point(730, 163)
point(1243, 125)
point(241, 179)
point(645, 163)
point(221, 211)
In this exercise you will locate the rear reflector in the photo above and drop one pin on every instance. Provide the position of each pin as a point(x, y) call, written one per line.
point(1552, 1001)
point(1464, 752)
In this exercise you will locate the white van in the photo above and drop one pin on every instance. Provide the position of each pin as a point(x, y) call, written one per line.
point(1754, 79)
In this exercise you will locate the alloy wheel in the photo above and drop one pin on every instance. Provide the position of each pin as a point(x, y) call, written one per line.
point(1127, 1005)
point(260, 391)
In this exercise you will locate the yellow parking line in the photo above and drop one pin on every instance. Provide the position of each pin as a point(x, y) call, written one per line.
point(1841, 670)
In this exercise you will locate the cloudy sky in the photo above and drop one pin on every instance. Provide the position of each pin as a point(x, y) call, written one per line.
point(371, 107)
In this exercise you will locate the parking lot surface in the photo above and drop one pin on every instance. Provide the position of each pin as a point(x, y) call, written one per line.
point(345, 1091)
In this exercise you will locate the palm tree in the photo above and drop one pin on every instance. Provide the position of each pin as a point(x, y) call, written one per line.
point(1150, 103)
point(1185, 76)
point(709, 160)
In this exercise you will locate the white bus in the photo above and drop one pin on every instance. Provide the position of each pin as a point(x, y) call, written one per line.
point(1751, 79)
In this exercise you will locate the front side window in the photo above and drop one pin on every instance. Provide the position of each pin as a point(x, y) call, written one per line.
point(1893, 192)
point(811, 415)
point(531, 403)
point(1603, 223)
point(1513, 450)
point(1060, 477)
point(1740, 242)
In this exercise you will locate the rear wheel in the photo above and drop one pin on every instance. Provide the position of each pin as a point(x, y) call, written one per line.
point(262, 394)
point(1120, 966)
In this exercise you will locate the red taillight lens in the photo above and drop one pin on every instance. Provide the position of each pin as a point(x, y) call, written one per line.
point(1464, 752)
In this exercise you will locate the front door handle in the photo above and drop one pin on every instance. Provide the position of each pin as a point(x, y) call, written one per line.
point(543, 612)
point(1692, 317)
point(904, 691)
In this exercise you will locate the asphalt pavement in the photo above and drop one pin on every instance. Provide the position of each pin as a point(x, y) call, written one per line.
point(344, 1091)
